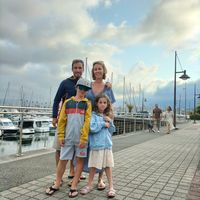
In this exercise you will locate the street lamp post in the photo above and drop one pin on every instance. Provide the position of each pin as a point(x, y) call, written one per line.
point(195, 94)
point(183, 77)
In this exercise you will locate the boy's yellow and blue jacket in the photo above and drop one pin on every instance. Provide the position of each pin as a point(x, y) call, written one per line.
point(74, 121)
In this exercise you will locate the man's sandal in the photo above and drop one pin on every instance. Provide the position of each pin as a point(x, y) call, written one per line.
point(70, 183)
point(51, 190)
point(61, 182)
point(71, 193)
point(111, 193)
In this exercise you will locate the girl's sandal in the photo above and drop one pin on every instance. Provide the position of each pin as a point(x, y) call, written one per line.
point(85, 190)
point(73, 193)
point(111, 193)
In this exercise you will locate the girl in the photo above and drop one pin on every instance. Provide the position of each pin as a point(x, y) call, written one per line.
point(169, 115)
point(101, 156)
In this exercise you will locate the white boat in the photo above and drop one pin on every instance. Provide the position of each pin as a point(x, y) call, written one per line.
point(37, 125)
point(8, 129)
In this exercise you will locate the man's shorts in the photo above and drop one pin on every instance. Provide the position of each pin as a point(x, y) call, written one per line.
point(56, 143)
point(70, 150)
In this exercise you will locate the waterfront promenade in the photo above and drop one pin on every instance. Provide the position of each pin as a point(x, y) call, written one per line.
point(166, 167)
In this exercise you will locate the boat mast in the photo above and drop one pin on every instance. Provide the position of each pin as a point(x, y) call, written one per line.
point(4, 100)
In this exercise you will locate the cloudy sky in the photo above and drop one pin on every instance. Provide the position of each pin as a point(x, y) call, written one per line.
point(136, 39)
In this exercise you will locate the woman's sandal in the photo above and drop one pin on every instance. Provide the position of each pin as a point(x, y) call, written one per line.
point(51, 190)
point(111, 193)
point(82, 177)
point(71, 193)
point(85, 190)
point(101, 186)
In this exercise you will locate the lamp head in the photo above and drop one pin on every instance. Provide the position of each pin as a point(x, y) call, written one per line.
point(184, 76)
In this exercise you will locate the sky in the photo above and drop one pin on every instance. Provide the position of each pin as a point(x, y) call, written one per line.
point(136, 39)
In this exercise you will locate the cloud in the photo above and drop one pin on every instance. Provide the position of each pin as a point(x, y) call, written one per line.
point(139, 78)
point(173, 23)
point(38, 40)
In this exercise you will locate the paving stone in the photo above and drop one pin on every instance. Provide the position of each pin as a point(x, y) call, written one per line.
point(3, 198)
point(32, 193)
point(147, 198)
point(151, 194)
point(41, 196)
point(23, 191)
point(163, 196)
point(22, 198)
point(135, 195)
point(122, 192)
point(12, 195)
point(6, 192)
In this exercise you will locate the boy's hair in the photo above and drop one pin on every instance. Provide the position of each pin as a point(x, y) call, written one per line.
point(108, 110)
point(104, 69)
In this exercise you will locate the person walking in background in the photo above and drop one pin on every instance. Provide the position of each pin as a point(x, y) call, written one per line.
point(100, 145)
point(66, 90)
point(99, 72)
point(169, 116)
point(157, 116)
point(73, 130)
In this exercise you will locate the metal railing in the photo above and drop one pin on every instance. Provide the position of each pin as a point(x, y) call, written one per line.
point(124, 123)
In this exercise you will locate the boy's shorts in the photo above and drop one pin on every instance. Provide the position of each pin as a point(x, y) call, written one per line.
point(56, 144)
point(70, 150)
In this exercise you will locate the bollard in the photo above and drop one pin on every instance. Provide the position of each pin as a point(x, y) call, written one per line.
point(124, 130)
point(19, 153)
point(143, 123)
point(134, 125)
point(45, 140)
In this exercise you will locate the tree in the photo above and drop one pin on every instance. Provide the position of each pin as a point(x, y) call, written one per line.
point(130, 107)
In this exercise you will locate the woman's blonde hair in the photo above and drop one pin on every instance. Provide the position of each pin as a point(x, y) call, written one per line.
point(103, 66)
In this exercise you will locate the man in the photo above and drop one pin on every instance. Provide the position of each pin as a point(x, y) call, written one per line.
point(65, 91)
point(156, 116)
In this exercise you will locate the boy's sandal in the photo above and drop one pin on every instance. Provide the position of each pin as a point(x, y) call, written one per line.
point(111, 193)
point(51, 190)
point(73, 193)
point(101, 186)
point(86, 190)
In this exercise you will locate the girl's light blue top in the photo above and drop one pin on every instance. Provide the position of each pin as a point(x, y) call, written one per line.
point(100, 137)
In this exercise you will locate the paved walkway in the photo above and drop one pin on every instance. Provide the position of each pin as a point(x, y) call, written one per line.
point(162, 168)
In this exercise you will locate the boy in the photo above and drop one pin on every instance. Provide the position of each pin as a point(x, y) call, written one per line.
point(73, 130)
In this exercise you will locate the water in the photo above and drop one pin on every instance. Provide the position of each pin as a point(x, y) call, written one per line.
point(39, 141)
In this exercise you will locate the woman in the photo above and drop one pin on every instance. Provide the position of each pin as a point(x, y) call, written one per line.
point(99, 72)
point(169, 115)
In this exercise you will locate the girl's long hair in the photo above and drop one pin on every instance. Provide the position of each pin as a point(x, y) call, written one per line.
point(108, 110)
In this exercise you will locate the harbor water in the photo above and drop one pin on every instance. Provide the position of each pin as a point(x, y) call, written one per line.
point(39, 141)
